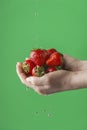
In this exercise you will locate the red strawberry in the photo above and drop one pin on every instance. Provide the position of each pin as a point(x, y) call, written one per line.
point(55, 59)
point(38, 56)
point(38, 71)
point(27, 66)
point(46, 54)
point(51, 69)
point(50, 51)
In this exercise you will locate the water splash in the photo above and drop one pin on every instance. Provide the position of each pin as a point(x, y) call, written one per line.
point(27, 88)
point(50, 114)
point(36, 13)
point(36, 112)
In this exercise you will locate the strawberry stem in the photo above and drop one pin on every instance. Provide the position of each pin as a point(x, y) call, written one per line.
point(58, 67)
point(25, 68)
point(40, 70)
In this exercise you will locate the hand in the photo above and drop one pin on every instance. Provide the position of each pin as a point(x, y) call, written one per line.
point(61, 80)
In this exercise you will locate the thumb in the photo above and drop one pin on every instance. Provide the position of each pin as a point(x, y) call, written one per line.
point(70, 63)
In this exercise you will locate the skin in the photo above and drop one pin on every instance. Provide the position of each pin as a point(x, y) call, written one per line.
point(73, 76)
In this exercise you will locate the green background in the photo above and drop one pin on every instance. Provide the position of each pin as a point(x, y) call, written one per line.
point(27, 24)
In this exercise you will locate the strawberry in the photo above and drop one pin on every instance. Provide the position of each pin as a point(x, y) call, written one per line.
point(38, 56)
point(46, 54)
point(38, 71)
point(50, 51)
point(27, 66)
point(51, 69)
point(55, 59)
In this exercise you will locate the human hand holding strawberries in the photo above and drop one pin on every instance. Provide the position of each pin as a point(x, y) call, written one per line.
point(63, 79)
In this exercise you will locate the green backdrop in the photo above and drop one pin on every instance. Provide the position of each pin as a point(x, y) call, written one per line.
point(27, 24)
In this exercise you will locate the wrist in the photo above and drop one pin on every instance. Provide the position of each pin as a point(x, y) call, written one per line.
point(79, 80)
point(82, 65)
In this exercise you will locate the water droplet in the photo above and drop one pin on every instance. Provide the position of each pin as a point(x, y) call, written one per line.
point(50, 115)
point(44, 110)
point(36, 13)
point(27, 88)
point(36, 112)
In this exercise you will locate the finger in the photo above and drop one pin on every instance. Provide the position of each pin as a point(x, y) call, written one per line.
point(68, 58)
point(21, 75)
point(70, 63)
point(36, 81)
point(20, 71)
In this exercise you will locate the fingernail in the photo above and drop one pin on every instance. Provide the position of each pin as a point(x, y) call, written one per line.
point(26, 58)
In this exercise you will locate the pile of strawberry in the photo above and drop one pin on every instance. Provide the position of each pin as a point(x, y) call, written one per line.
point(42, 61)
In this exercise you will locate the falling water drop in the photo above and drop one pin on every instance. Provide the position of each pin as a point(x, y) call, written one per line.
point(36, 13)
point(27, 88)
point(50, 115)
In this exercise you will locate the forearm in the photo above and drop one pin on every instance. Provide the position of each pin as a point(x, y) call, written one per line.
point(73, 64)
point(79, 80)
point(82, 65)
